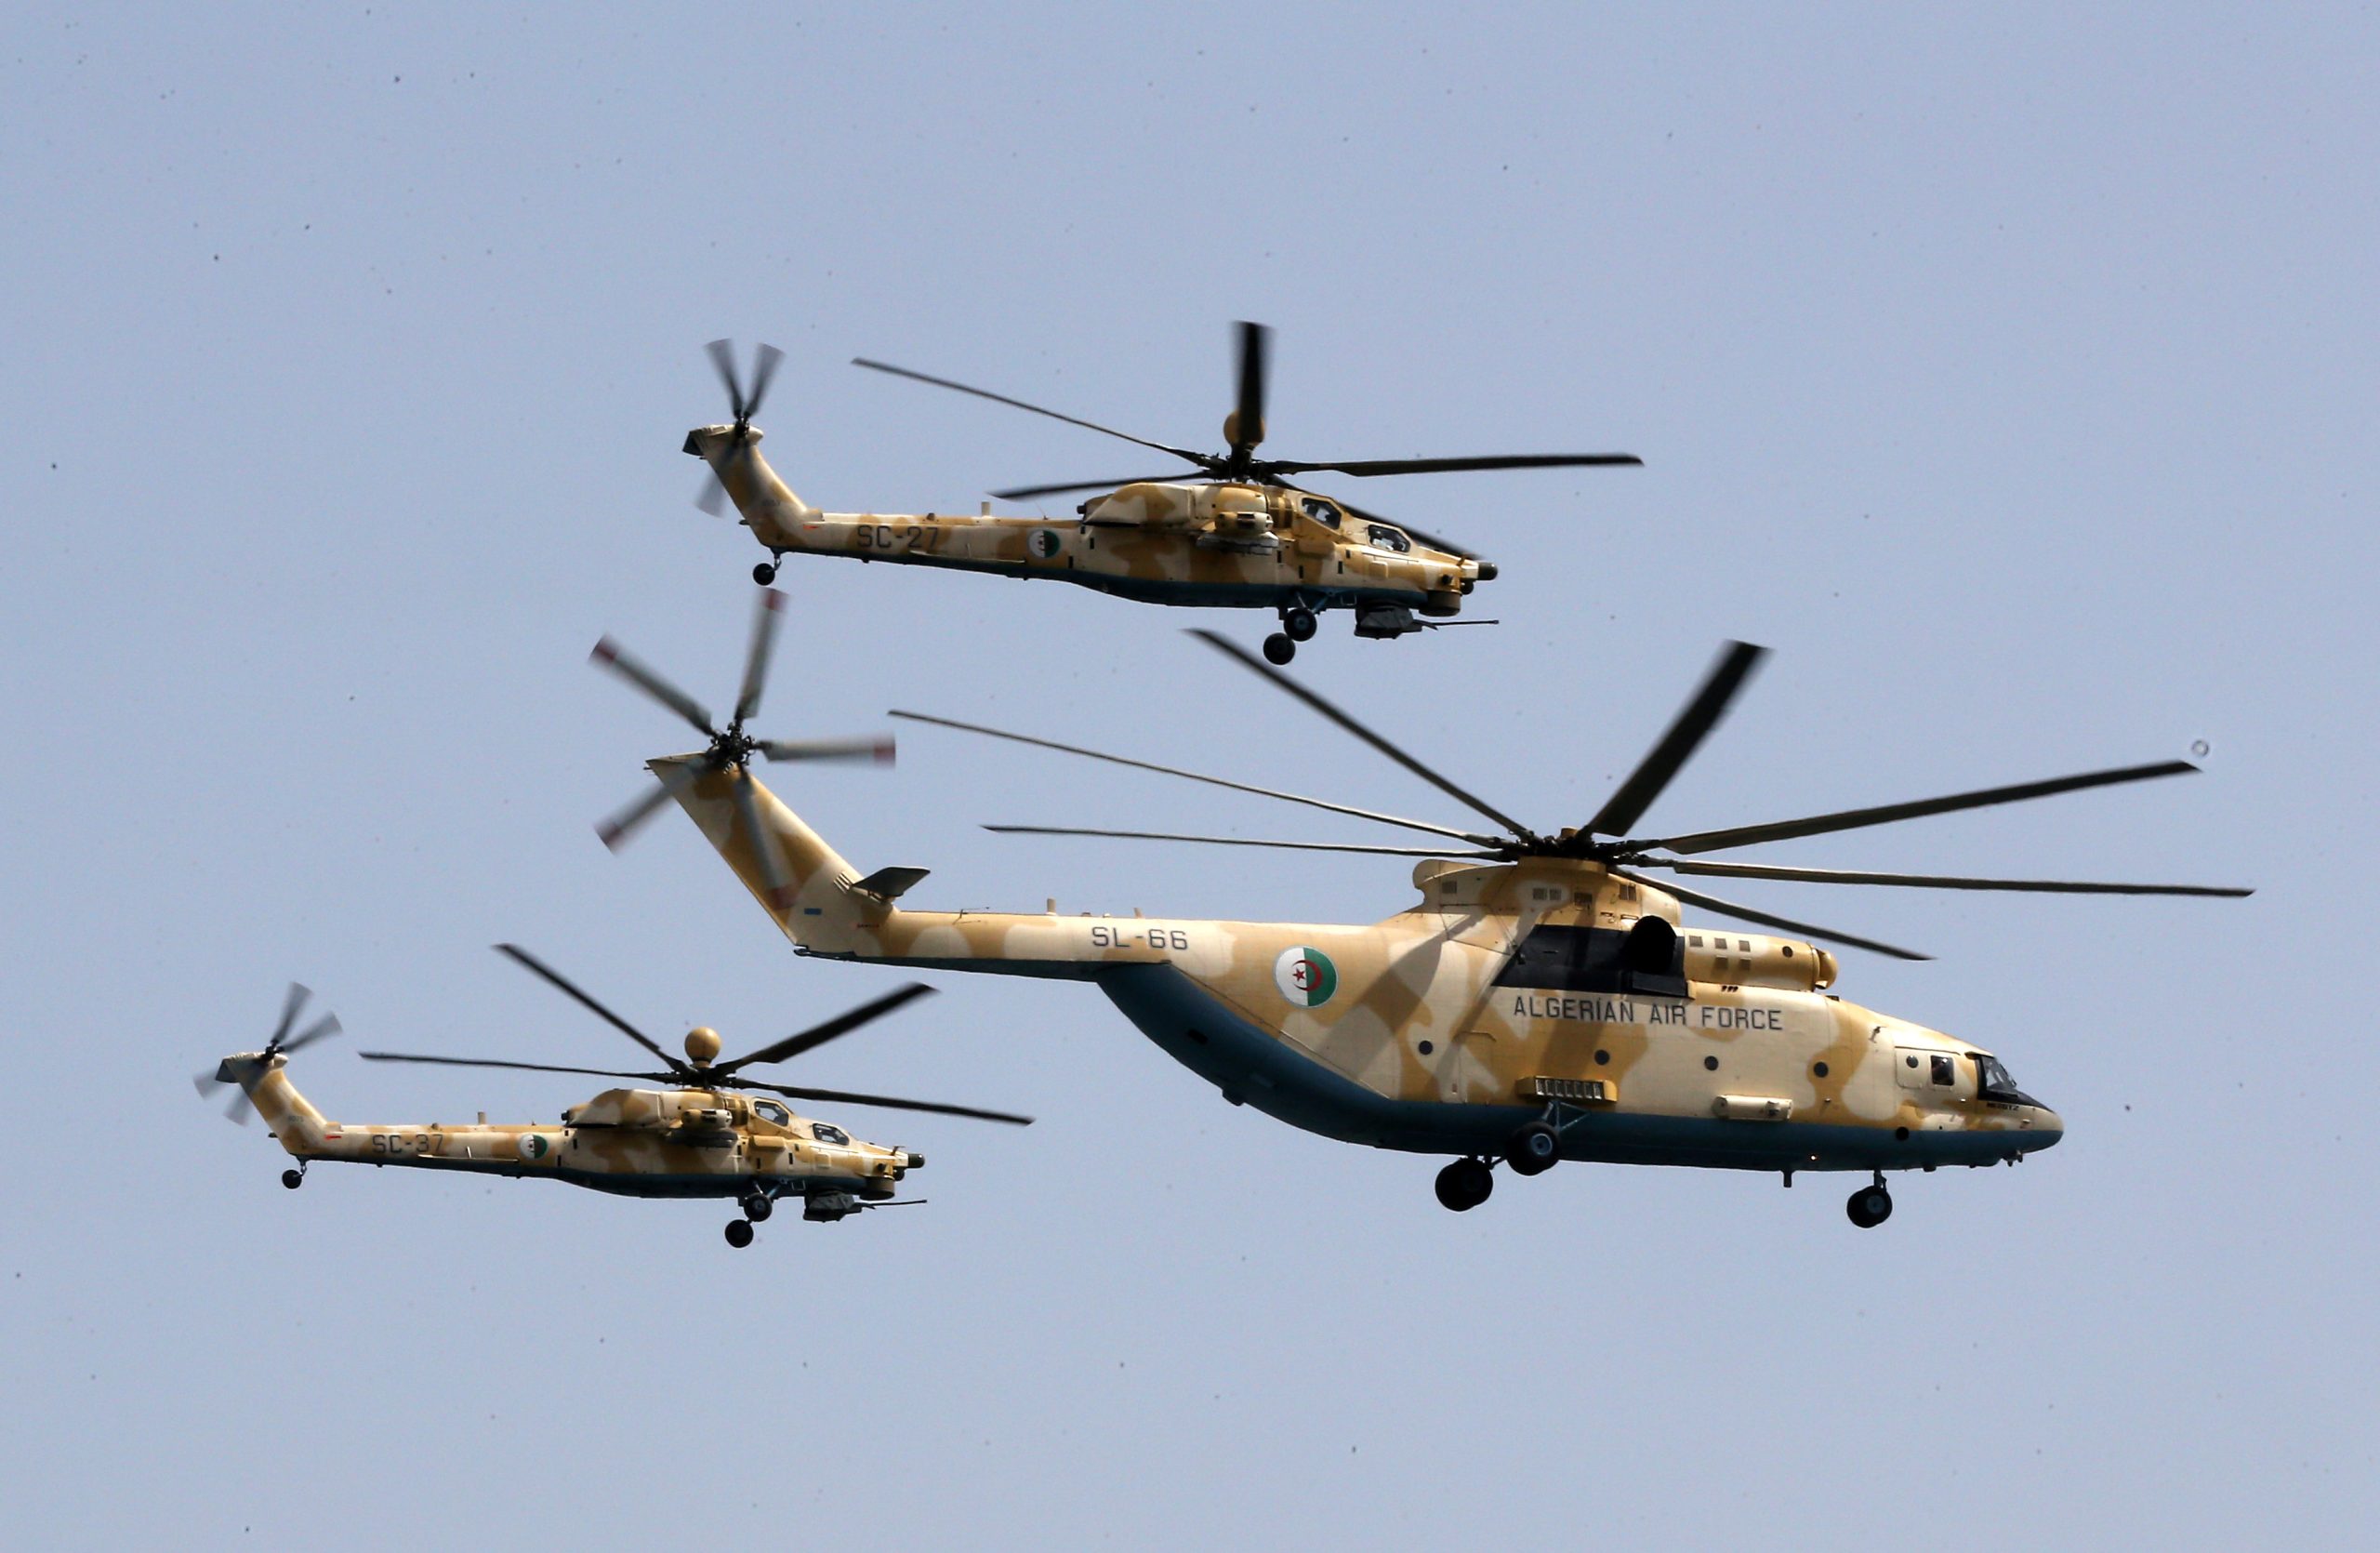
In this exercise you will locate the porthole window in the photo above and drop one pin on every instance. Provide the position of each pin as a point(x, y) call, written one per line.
point(1603, 1059)
point(1818, 1068)
point(1427, 1048)
point(1712, 1062)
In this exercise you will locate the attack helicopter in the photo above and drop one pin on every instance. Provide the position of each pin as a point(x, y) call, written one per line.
point(1541, 1000)
point(1236, 534)
point(703, 1136)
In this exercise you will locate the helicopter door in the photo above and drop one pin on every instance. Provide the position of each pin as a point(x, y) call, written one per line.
point(1926, 1071)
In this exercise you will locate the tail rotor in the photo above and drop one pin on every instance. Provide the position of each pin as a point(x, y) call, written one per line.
point(282, 1044)
point(743, 405)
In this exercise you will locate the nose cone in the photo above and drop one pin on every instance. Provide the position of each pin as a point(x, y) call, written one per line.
point(2046, 1127)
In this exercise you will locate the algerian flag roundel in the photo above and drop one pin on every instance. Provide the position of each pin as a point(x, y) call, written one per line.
point(1305, 975)
point(533, 1145)
point(1044, 543)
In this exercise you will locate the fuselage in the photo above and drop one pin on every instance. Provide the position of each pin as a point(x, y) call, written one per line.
point(1222, 545)
point(630, 1142)
point(1505, 994)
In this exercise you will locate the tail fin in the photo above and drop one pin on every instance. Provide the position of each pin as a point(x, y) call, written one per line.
point(767, 505)
point(824, 904)
point(292, 1117)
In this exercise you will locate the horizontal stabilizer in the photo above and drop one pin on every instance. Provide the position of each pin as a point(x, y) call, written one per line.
point(891, 884)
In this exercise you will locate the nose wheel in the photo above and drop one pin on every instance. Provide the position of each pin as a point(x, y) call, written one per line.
point(1298, 624)
point(1869, 1206)
point(739, 1233)
point(293, 1179)
point(764, 574)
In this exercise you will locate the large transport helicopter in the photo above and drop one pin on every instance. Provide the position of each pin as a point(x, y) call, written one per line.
point(703, 1135)
point(1235, 534)
point(1541, 1001)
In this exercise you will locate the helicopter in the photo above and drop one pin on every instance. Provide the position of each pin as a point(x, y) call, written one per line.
point(704, 1134)
point(1543, 1001)
point(1235, 534)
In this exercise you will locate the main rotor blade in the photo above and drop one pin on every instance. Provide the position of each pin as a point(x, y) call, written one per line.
point(849, 1097)
point(291, 1004)
point(1238, 841)
point(1769, 919)
point(1255, 345)
point(1936, 881)
point(1201, 459)
point(1887, 813)
point(572, 989)
point(722, 361)
point(625, 822)
point(818, 1035)
point(764, 843)
point(1027, 493)
point(327, 1025)
point(878, 750)
point(525, 1066)
point(1364, 469)
point(1255, 665)
point(609, 654)
point(756, 658)
point(1737, 661)
point(1197, 777)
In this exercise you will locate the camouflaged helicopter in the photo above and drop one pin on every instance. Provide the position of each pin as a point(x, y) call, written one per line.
point(1543, 1001)
point(1241, 537)
point(701, 1135)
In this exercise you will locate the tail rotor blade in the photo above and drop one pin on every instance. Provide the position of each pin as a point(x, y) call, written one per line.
point(712, 497)
point(327, 1025)
point(764, 367)
point(723, 360)
point(756, 659)
point(610, 655)
point(879, 751)
point(206, 1083)
point(240, 1108)
point(764, 845)
point(624, 824)
point(290, 1006)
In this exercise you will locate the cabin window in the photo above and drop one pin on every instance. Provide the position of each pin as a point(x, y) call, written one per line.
point(1945, 1068)
point(1388, 539)
point(1320, 511)
point(826, 1133)
point(769, 1111)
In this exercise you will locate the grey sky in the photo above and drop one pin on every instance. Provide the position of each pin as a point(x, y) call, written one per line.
point(2012, 375)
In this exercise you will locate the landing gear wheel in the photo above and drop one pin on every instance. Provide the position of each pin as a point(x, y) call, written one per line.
point(1535, 1150)
point(739, 1233)
point(293, 1179)
point(757, 1208)
point(1465, 1185)
point(1279, 648)
point(1869, 1206)
point(1299, 624)
point(764, 574)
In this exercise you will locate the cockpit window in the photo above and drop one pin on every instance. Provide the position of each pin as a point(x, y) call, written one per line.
point(1388, 539)
point(826, 1133)
point(1320, 511)
point(1995, 1077)
point(769, 1111)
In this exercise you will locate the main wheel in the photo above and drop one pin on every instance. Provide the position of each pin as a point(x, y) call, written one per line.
point(764, 574)
point(757, 1208)
point(1869, 1206)
point(739, 1233)
point(1535, 1150)
point(293, 1179)
point(1279, 648)
point(1465, 1185)
point(1299, 624)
